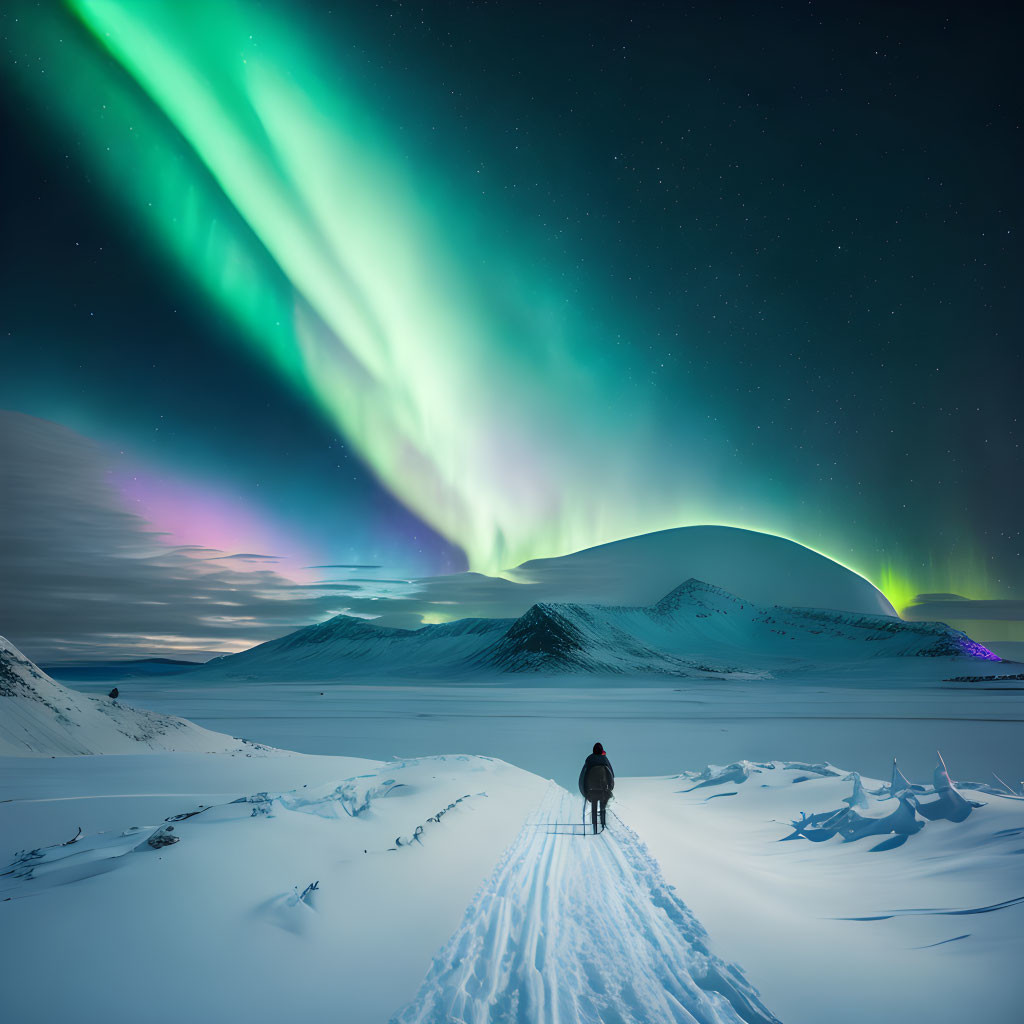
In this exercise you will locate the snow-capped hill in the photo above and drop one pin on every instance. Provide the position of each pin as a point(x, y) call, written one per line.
point(766, 569)
point(922, 639)
point(466, 627)
point(583, 639)
point(38, 716)
point(545, 632)
point(694, 630)
point(698, 594)
point(635, 572)
point(341, 627)
point(700, 629)
point(350, 646)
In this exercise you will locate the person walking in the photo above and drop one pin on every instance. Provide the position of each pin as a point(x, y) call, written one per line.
point(597, 780)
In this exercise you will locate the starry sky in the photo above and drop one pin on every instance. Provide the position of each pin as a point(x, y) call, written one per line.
point(431, 287)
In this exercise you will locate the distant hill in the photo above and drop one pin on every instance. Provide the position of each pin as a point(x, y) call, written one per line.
point(764, 568)
point(38, 716)
point(695, 630)
point(637, 571)
point(110, 671)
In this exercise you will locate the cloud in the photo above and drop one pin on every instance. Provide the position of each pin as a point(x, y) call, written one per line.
point(248, 557)
point(952, 606)
point(82, 576)
point(344, 567)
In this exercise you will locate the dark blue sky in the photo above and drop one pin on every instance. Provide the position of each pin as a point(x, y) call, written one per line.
point(788, 236)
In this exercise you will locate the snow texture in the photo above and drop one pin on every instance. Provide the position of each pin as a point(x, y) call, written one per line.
point(40, 717)
point(908, 908)
point(583, 928)
point(324, 890)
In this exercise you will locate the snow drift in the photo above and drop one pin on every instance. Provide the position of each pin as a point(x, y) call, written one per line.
point(39, 716)
point(909, 909)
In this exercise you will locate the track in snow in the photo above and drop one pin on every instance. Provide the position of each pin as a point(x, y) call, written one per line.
point(580, 928)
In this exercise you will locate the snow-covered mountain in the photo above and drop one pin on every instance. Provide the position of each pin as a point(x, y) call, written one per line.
point(39, 716)
point(695, 630)
point(764, 568)
point(634, 571)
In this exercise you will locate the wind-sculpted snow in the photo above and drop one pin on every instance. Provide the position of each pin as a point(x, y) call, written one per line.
point(740, 771)
point(898, 808)
point(85, 855)
point(696, 630)
point(38, 716)
point(79, 858)
point(572, 927)
point(288, 904)
point(908, 907)
point(349, 799)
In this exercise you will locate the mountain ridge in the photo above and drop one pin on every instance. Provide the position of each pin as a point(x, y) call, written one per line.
point(696, 628)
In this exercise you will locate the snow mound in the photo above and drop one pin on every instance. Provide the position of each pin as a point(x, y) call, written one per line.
point(80, 857)
point(740, 771)
point(40, 717)
point(695, 630)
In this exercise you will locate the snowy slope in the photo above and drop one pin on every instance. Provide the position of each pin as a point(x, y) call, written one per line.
point(346, 646)
point(38, 716)
point(701, 629)
point(766, 569)
point(845, 898)
point(696, 630)
point(220, 926)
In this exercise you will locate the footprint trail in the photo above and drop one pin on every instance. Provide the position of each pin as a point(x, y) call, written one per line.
point(579, 928)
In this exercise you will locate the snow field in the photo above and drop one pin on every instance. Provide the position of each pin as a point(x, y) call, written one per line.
point(326, 890)
point(215, 927)
point(847, 929)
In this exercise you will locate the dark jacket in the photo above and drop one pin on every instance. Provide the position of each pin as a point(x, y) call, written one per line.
point(602, 793)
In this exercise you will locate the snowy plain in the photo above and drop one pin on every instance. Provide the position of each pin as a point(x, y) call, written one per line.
point(396, 848)
point(502, 890)
point(698, 903)
point(651, 727)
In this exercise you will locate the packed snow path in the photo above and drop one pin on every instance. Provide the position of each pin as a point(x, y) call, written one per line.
point(573, 927)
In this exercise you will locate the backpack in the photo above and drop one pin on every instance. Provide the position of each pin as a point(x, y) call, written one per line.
point(598, 781)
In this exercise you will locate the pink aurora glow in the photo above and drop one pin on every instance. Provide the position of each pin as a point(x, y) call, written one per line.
point(187, 513)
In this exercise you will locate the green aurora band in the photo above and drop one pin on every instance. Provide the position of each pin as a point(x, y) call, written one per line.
point(466, 358)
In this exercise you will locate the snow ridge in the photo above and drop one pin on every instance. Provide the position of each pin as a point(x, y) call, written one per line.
point(695, 630)
point(581, 928)
point(39, 717)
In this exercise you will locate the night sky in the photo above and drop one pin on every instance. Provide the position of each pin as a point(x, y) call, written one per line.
point(429, 287)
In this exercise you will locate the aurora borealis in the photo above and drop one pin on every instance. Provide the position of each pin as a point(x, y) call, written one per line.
point(474, 284)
